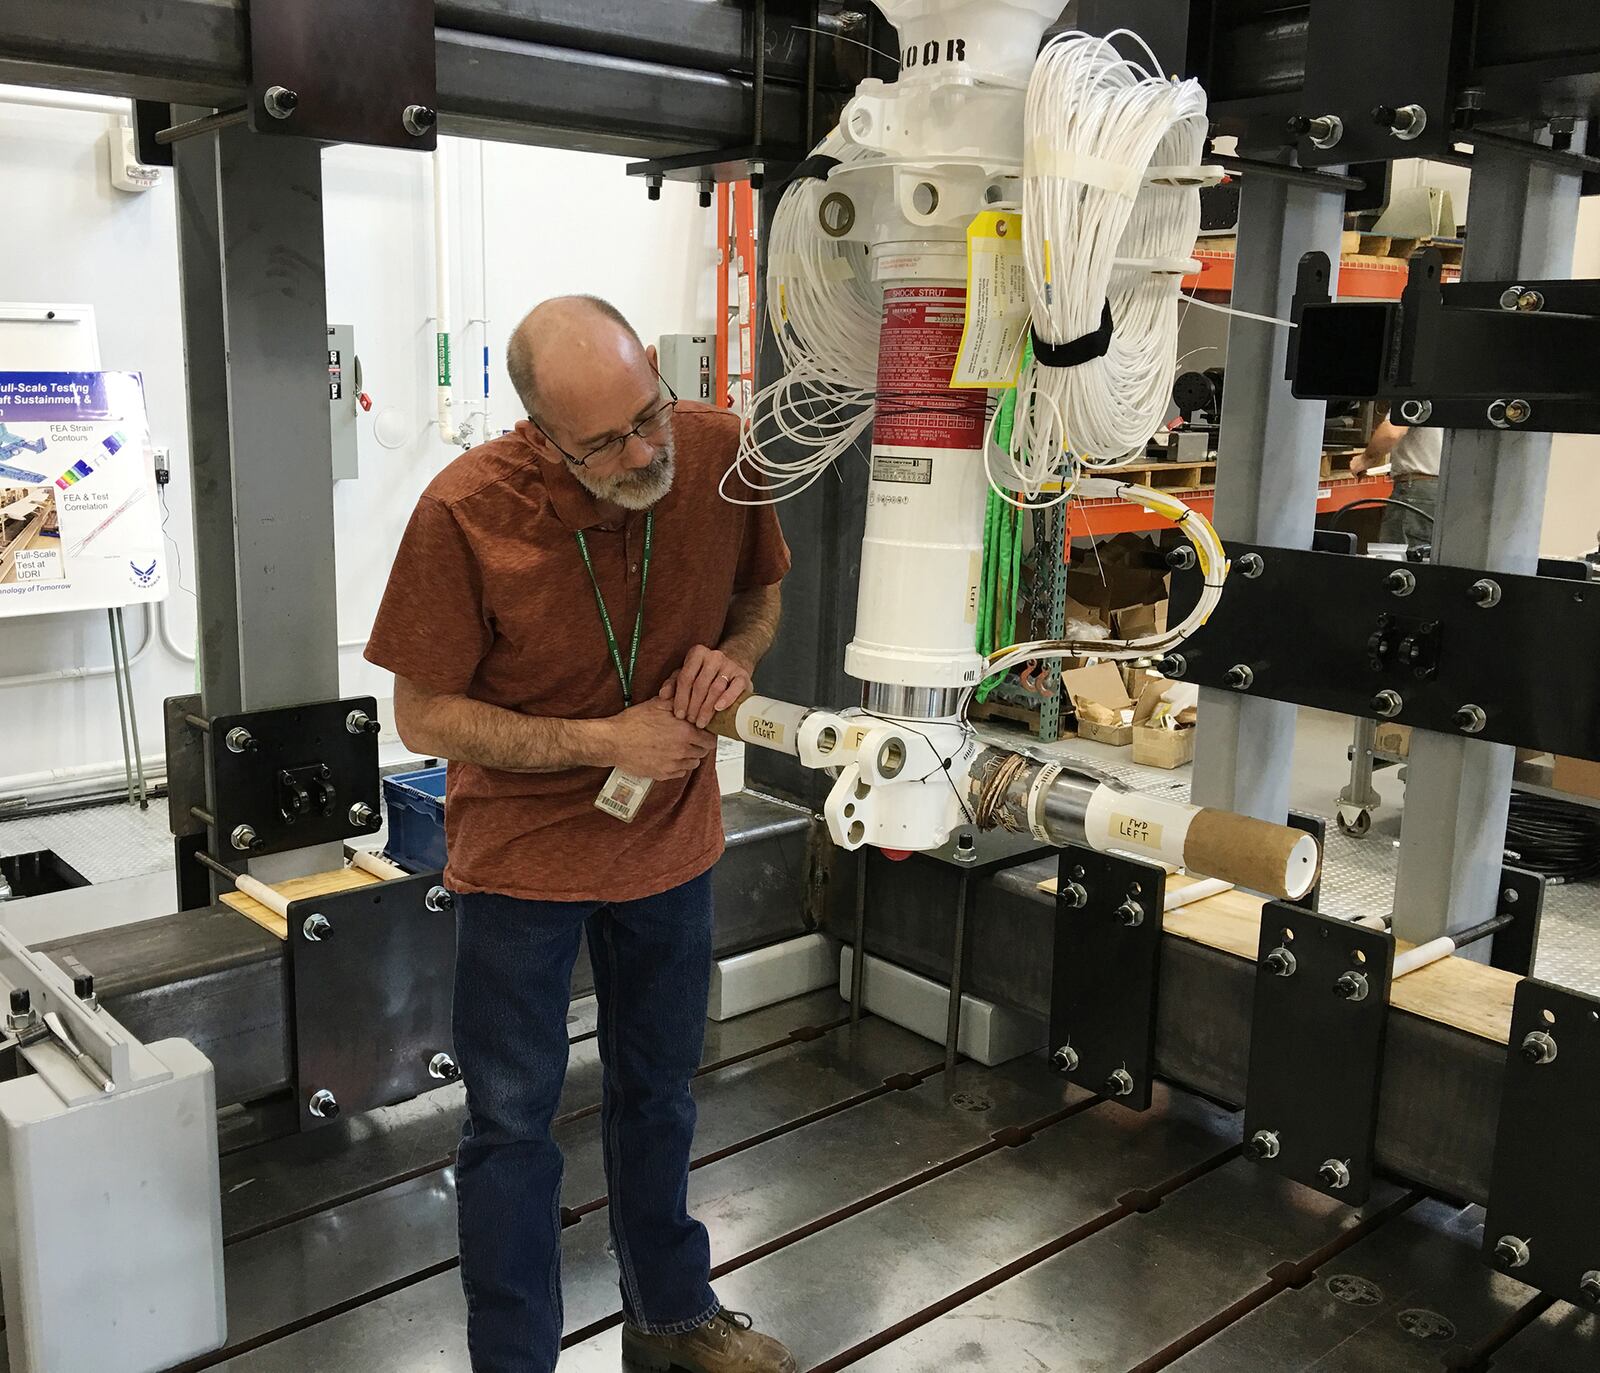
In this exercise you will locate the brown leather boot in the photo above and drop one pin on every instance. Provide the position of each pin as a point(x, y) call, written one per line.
point(724, 1344)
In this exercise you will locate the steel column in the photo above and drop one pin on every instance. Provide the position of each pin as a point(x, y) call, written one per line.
point(1490, 512)
point(1267, 483)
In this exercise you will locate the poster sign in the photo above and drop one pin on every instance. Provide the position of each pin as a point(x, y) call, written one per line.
point(80, 520)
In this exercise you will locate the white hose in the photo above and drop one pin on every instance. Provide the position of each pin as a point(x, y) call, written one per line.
point(1179, 897)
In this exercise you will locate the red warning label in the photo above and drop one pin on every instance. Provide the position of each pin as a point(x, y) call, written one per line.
point(916, 354)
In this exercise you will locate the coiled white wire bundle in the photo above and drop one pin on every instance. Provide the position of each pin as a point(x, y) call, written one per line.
point(825, 311)
point(1099, 232)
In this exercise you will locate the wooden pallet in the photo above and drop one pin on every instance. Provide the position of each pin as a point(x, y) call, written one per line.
point(1338, 464)
point(1168, 476)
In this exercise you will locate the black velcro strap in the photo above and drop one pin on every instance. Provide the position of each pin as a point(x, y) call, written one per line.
point(817, 167)
point(1076, 352)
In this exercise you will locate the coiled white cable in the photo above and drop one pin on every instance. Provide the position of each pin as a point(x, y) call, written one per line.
point(825, 311)
point(1098, 232)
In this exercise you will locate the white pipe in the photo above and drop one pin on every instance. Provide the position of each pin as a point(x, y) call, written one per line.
point(79, 775)
point(441, 298)
point(1433, 951)
point(273, 901)
point(1179, 897)
point(76, 674)
point(377, 865)
point(38, 98)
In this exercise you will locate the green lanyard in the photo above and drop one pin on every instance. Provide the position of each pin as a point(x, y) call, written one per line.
point(625, 677)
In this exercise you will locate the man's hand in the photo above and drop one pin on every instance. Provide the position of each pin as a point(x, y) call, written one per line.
point(651, 741)
point(709, 680)
point(1359, 464)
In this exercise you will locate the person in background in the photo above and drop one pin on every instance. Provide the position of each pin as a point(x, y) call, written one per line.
point(1414, 456)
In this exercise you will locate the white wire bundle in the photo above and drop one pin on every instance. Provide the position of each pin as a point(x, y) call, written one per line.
point(1097, 232)
point(825, 312)
point(1213, 569)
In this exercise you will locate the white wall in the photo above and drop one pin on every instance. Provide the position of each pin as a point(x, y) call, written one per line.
point(551, 222)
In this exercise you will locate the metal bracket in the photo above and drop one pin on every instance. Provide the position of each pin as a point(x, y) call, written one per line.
point(1520, 900)
point(1543, 1222)
point(1316, 1049)
point(186, 768)
point(1489, 647)
point(1107, 974)
point(355, 1040)
point(250, 755)
point(352, 71)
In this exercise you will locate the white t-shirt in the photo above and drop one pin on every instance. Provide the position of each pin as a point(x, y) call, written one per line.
point(1418, 454)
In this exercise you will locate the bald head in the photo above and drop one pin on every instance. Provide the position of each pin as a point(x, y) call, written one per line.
point(575, 348)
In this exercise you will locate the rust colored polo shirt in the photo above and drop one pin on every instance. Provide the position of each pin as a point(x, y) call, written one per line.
point(488, 598)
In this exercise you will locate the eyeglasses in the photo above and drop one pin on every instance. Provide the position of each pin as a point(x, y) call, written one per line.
point(649, 429)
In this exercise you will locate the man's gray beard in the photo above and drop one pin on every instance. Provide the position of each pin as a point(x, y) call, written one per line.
point(637, 490)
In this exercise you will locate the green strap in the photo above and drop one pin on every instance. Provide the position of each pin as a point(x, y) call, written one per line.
point(625, 677)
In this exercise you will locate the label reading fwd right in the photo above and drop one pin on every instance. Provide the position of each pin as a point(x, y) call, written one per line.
point(1132, 830)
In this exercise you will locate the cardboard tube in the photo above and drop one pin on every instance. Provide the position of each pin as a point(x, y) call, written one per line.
point(725, 723)
point(1273, 859)
point(763, 722)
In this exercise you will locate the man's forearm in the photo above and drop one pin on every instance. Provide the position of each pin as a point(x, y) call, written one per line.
point(467, 731)
point(752, 625)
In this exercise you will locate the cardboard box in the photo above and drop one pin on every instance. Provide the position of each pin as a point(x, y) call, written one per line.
point(1392, 741)
point(1155, 744)
point(1121, 572)
point(1100, 699)
point(1579, 776)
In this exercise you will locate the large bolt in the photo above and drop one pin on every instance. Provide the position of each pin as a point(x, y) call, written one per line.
point(1401, 582)
point(1325, 130)
point(1485, 592)
point(1351, 986)
point(363, 815)
point(705, 193)
point(1181, 558)
point(1511, 1251)
point(438, 900)
point(1538, 1048)
point(443, 1067)
point(1471, 719)
point(1129, 914)
point(1281, 962)
point(1387, 704)
point(652, 187)
point(280, 101)
point(1120, 1083)
point(1405, 123)
point(1241, 676)
point(1263, 1145)
point(359, 722)
point(1065, 1059)
point(1335, 1173)
point(1416, 411)
point(419, 120)
point(1074, 896)
point(1589, 1286)
point(322, 1104)
point(240, 740)
point(1518, 411)
point(758, 175)
point(316, 928)
point(244, 838)
point(21, 1015)
point(1173, 665)
point(1250, 565)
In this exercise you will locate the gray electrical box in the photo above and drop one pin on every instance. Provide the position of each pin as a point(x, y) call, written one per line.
point(344, 390)
point(688, 364)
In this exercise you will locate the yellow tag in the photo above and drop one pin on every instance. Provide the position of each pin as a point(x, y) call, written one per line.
point(622, 795)
point(783, 302)
point(1131, 830)
point(768, 731)
point(854, 736)
point(974, 576)
point(997, 303)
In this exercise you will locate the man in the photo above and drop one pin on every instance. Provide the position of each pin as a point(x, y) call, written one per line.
point(1414, 458)
point(569, 606)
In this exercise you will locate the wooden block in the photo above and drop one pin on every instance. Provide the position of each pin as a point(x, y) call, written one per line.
point(1457, 992)
point(296, 889)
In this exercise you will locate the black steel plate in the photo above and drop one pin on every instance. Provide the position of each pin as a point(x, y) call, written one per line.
point(1107, 974)
point(186, 765)
point(1350, 70)
point(372, 996)
point(245, 788)
point(355, 65)
point(1542, 1189)
point(1531, 662)
point(1521, 898)
point(1316, 1059)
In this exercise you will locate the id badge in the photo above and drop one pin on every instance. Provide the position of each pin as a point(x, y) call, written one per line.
point(622, 795)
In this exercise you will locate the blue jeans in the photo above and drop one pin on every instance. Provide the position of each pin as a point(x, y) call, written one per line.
point(652, 969)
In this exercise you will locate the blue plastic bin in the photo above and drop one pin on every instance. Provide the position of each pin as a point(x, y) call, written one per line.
point(415, 802)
